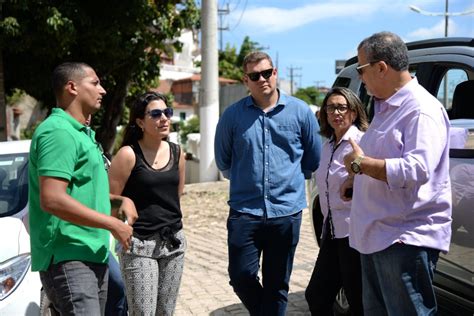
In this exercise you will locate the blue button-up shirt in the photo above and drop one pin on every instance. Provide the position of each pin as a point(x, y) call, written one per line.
point(267, 156)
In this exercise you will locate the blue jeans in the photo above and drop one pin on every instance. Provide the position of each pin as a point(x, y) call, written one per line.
point(76, 287)
point(248, 237)
point(116, 299)
point(399, 281)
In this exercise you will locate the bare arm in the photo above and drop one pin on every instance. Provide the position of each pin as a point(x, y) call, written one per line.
point(123, 208)
point(120, 169)
point(182, 172)
point(119, 172)
point(55, 200)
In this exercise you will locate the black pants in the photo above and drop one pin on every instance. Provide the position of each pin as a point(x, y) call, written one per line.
point(337, 265)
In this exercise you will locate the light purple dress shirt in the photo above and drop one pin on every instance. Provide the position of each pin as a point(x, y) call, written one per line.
point(340, 209)
point(410, 131)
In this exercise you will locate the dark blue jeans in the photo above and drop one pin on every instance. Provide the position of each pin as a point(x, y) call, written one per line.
point(248, 237)
point(116, 299)
point(76, 288)
point(398, 281)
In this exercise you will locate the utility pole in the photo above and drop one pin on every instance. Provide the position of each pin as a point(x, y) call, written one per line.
point(3, 105)
point(446, 75)
point(446, 15)
point(221, 13)
point(209, 92)
point(278, 69)
point(293, 76)
point(318, 83)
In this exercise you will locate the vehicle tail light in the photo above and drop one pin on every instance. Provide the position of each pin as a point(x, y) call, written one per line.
point(12, 273)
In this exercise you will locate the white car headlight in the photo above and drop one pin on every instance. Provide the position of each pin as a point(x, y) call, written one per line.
point(12, 273)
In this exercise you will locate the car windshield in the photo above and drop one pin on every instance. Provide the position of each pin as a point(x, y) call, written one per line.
point(13, 183)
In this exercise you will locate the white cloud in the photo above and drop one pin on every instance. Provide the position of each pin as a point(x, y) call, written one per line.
point(275, 20)
point(436, 30)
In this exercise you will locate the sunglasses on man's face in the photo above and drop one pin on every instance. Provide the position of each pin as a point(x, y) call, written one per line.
point(254, 76)
point(156, 113)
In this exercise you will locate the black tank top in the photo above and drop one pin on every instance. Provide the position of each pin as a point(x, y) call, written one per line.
point(155, 194)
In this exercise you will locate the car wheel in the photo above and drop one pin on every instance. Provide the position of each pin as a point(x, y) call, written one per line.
point(341, 305)
point(46, 307)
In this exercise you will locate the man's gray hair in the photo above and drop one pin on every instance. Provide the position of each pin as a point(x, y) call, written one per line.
point(255, 57)
point(387, 47)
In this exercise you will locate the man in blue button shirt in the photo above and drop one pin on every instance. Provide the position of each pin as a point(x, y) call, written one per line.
point(266, 145)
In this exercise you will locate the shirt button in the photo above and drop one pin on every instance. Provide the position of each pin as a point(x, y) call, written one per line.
point(266, 196)
point(266, 146)
point(266, 163)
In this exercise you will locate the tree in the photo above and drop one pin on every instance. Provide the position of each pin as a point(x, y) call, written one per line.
point(230, 64)
point(122, 40)
point(310, 95)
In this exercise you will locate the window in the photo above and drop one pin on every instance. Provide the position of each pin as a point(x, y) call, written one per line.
point(446, 89)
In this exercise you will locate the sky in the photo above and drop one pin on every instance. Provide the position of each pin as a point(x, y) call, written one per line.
point(309, 36)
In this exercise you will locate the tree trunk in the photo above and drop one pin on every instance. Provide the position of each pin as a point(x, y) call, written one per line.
point(113, 109)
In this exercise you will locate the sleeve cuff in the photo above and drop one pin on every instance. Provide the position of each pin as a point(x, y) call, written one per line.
point(394, 177)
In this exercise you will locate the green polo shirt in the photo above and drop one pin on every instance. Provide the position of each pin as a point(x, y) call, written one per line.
point(63, 148)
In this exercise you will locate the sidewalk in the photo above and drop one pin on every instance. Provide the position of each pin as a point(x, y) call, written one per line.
point(205, 288)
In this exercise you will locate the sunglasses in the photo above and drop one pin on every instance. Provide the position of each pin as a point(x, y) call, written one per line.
point(156, 113)
point(254, 76)
point(359, 68)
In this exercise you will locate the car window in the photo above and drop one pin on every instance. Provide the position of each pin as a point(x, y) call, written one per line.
point(449, 82)
point(13, 183)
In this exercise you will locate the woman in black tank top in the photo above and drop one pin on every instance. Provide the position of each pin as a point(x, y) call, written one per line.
point(150, 170)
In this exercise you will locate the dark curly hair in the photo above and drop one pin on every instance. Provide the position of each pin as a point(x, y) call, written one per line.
point(133, 133)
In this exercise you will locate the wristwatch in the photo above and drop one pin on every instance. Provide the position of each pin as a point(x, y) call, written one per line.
point(355, 165)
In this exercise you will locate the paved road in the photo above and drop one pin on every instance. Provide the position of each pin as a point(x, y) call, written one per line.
point(205, 289)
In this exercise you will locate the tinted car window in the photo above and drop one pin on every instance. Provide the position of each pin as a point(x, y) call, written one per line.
point(13, 183)
point(453, 77)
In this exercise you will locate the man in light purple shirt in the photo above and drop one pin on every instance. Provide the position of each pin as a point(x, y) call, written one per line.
point(401, 206)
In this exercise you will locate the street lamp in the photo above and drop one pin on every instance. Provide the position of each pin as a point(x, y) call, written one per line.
point(446, 14)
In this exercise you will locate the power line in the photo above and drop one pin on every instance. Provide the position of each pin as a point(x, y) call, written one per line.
point(241, 15)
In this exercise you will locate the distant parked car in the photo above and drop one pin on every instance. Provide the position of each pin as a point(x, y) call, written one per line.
point(432, 62)
point(19, 287)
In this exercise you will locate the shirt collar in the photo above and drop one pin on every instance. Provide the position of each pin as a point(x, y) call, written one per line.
point(352, 132)
point(282, 100)
point(74, 123)
point(398, 97)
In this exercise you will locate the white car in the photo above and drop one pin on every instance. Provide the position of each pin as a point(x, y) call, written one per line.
point(20, 288)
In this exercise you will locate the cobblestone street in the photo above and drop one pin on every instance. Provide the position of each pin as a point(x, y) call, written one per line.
point(205, 288)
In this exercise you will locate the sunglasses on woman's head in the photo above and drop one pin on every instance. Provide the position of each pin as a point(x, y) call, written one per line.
point(156, 113)
point(254, 76)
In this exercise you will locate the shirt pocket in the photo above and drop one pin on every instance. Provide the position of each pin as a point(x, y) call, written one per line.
point(384, 144)
point(286, 134)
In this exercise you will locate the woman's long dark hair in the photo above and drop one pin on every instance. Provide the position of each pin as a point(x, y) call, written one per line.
point(354, 104)
point(133, 132)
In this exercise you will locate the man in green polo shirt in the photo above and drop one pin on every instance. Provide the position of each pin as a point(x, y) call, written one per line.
point(69, 198)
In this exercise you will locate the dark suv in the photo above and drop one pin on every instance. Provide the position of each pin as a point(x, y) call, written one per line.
point(445, 67)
